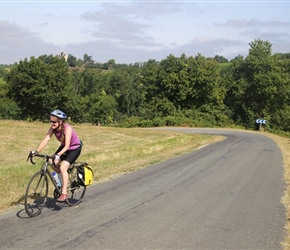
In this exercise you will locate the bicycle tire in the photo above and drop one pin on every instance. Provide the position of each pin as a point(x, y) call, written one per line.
point(75, 191)
point(36, 194)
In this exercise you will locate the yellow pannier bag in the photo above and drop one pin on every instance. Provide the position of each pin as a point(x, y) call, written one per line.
point(85, 175)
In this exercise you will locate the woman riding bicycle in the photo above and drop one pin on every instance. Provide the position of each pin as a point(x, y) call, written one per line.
point(69, 150)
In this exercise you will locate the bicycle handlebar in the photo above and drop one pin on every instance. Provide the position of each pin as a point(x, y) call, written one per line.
point(47, 157)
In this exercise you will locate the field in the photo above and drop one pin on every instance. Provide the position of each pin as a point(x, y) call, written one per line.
point(110, 151)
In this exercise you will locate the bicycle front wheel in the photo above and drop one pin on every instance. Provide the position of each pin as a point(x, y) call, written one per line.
point(75, 191)
point(36, 194)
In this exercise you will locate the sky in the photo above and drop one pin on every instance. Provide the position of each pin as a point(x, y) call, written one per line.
point(138, 31)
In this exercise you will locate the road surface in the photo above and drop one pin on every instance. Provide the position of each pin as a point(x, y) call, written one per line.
point(222, 196)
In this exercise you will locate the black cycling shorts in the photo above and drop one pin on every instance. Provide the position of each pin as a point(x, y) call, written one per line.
point(70, 155)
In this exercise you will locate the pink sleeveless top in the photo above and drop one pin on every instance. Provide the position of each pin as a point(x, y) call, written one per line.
point(74, 141)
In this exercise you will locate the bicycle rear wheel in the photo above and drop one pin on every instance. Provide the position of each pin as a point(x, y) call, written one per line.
point(36, 194)
point(75, 192)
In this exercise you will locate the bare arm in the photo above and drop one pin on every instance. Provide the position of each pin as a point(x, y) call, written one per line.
point(45, 140)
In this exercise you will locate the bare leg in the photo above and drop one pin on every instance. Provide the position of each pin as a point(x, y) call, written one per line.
point(63, 169)
point(55, 167)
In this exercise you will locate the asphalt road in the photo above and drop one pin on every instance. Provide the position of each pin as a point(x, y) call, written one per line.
point(226, 195)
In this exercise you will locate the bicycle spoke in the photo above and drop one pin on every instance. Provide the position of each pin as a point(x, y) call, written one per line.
point(36, 194)
point(37, 189)
point(75, 191)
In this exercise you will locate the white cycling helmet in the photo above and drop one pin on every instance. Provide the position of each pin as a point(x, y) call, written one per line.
point(59, 114)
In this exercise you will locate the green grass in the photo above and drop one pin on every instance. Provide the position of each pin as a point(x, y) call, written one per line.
point(110, 151)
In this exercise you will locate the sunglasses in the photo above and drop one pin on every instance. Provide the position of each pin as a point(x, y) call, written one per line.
point(53, 122)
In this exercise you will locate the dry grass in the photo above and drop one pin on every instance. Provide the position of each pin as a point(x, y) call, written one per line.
point(284, 145)
point(110, 151)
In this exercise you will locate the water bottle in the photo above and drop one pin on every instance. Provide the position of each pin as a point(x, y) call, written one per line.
point(60, 178)
point(57, 181)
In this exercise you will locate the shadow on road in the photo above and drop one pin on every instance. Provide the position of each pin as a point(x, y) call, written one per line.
point(50, 203)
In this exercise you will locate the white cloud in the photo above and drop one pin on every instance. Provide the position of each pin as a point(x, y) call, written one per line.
point(137, 31)
point(254, 23)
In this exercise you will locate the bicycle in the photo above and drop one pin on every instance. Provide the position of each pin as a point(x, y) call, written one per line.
point(37, 188)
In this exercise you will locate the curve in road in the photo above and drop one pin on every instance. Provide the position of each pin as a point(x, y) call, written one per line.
point(223, 196)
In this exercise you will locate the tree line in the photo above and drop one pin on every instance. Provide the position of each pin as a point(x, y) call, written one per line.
point(191, 90)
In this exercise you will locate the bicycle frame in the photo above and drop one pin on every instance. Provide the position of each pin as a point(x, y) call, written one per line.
point(38, 186)
point(46, 171)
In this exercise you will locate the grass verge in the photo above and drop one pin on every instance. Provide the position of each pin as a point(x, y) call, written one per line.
point(284, 145)
point(110, 151)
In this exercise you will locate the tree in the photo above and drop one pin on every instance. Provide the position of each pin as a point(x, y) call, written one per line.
point(8, 108)
point(72, 60)
point(260, 89)
point(111, 64)
point(127, 90)
point(149, 76)
point(38, 87)
point(87, 58)
point(157, 108)
point(207, 88)
point(88, 61)
point(190, 82)
point(88, 81)
point(235, 86)
point(259, 85)
point(104, 108)
point(220, 59)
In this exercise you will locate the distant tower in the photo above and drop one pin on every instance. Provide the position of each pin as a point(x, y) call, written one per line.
point(65, 56)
